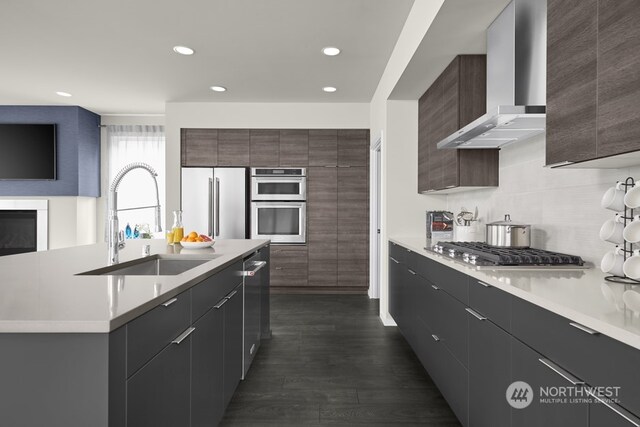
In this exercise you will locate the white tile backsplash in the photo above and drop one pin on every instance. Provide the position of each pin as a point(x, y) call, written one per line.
point(562, 205)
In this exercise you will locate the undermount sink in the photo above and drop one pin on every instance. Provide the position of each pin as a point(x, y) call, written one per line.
point(154, 265)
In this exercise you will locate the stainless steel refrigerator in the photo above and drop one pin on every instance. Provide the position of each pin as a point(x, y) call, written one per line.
point(215, 201)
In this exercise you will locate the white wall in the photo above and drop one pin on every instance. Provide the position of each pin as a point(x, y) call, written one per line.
point(562, 205)
point(247, 116)
point(387, 119)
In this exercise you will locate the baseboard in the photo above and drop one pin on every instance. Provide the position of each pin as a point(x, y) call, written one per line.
point(388, 320)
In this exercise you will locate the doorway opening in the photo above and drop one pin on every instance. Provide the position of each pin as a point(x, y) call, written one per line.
point(375, 223)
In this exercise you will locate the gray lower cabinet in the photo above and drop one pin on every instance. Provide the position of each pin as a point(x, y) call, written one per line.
point(158, 394)
point(489, 373)
point(232, 343)
point(543, 374)
point(207, 369)
point(610, 415)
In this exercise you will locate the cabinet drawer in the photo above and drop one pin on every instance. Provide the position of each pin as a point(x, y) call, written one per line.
point(211, 290)
point(448, 320)
point(151, 332)
point(490, 302)
point(398, 252)
point(285, 276)
point(289, 256)
point(452, 281)
point(591, 356)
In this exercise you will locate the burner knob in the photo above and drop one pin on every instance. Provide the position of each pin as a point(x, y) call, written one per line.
point(473, 257)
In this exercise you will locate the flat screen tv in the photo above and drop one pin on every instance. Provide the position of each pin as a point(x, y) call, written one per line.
point(28, 151)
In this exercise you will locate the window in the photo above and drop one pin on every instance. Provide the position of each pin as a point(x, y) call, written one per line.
point(129, 144)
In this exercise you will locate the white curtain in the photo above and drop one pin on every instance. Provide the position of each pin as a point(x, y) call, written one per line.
point(128, 144)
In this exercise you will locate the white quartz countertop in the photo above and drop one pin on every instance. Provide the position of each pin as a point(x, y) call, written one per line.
point(580, 295)
point(41, 291)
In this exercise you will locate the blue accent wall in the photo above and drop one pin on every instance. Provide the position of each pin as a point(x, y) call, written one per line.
point(78, 151)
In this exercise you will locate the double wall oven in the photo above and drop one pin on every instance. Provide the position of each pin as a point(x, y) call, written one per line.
point(279, 205)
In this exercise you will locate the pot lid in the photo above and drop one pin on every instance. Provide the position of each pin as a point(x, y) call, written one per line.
point(507, 221)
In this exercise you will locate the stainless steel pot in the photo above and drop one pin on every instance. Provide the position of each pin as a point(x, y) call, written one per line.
point(507, 234)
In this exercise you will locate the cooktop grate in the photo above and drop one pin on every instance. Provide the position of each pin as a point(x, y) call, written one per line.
point(511, 256)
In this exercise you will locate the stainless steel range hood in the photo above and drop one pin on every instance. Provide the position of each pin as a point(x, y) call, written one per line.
point(516, 80)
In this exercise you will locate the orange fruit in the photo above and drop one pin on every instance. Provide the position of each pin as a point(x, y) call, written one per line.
point(193, 235)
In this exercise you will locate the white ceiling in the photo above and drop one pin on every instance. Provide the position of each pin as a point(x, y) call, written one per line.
point(459, 28)
point(116, 56)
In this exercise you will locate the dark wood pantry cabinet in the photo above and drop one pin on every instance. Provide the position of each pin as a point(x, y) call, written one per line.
point(593, 87)
point(336, 255)
point(456, 98)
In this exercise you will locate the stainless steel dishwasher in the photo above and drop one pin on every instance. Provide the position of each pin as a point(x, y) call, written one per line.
point(252, 272)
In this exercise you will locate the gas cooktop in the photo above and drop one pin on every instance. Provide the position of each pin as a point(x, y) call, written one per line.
point(480, 254)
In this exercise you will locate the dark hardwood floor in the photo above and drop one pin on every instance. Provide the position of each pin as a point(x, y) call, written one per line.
point(331, 362)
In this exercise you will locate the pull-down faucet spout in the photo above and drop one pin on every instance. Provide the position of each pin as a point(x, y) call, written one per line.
point(115, 239)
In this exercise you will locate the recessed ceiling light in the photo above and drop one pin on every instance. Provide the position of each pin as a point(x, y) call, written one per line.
point(330, 51)
point(218, 88)
point(65, 94)
point(329, 89)
point(183, 50)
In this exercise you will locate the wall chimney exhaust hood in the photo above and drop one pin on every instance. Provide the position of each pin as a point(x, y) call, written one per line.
point(516, 80)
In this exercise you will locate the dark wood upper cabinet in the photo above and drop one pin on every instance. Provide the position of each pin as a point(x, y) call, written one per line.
point(233, 147)
point(571, 80)
point(294, 147)
point(323, 147)
point(456, 98)
point(199, 147)
point(265, 147)
point(593, 87)
point(618, 119)
point(353, 147)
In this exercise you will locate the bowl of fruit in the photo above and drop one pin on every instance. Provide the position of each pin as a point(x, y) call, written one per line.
point(194, 240)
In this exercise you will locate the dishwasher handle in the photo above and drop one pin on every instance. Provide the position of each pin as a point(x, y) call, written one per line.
point(257, 266)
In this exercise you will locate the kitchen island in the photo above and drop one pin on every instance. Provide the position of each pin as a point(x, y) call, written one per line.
point(115, 350)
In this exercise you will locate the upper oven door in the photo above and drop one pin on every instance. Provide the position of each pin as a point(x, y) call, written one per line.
point(281, 222)
point(279, 188)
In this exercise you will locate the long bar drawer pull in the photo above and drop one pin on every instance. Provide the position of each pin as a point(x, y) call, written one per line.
point(435, 338)
point(183, 336)
point(435, 288)
point(394, 260)
point(475, 314)
point(558, 370)
point(584, 328)
point(231, 294)
point(256, 267)
point(221, 303)
point(168, 303)
point(486, 285)
point(624, 414)
point(411, 271)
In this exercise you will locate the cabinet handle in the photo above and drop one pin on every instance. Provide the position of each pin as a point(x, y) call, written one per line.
point(329, 166)
point(486, 285)
point(624, 414)
point(168, 303)
point(344, 166)
point(392, 259)
point(584, 328)
point(558, 370)
point(183, 336)
point(278, 268)
point(435, 288)
point(231, 294)
point(435, 338)
point(558, 164)
point(475, 314)
point(221, 303)
point(411, 271)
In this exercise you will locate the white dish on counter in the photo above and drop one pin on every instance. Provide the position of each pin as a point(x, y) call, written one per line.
point(198, 245)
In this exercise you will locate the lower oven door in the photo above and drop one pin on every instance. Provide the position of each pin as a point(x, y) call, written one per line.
point(281, 222)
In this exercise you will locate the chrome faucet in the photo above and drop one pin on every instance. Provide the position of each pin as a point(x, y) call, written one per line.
point(115, 237)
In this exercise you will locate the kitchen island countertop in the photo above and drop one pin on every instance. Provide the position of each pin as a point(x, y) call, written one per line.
point(580, 295)
point(41, 292)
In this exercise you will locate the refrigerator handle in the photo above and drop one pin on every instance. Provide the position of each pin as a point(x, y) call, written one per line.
point(217, 219)
point(210, 209)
